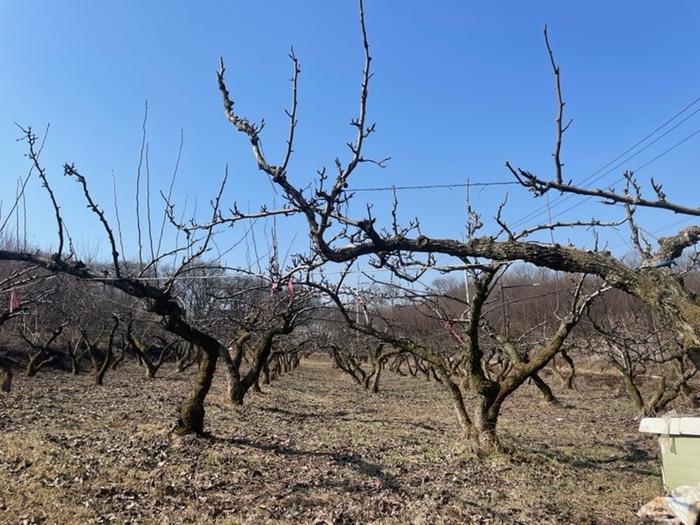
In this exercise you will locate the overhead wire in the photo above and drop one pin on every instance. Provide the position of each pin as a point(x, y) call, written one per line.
point(560, 200)
point(659, 128)
point(547, 208)
point(639, 168)
point(605, 170)
point(437, 186)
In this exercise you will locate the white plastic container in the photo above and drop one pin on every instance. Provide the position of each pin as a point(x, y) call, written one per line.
point(679, 439)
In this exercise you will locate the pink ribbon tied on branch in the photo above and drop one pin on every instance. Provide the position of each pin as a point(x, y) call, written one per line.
point(453, 333)
point(290, 289)
point(14, 302)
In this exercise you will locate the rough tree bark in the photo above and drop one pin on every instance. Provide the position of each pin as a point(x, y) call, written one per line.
point(6, 375)
point(191, 418)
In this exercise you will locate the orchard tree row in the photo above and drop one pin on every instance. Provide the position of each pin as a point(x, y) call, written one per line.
point(508, 306)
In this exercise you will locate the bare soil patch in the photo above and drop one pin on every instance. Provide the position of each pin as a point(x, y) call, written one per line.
point(314, 449)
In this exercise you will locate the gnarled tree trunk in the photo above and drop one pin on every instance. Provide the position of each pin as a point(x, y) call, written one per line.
point(548, 395)
point(191, 420)
point(6, 375)
point(567, 378)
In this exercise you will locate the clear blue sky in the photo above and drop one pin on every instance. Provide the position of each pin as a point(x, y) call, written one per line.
point(459, 87)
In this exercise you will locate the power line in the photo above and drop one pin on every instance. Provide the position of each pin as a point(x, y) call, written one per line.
point(587, 179)
point(651, 144)
point(563, 198)
point(439, 186)
point(669, 149)
point(586, 199)
point(659, 128)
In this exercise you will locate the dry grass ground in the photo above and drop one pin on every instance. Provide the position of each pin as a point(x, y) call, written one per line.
point(312, 449)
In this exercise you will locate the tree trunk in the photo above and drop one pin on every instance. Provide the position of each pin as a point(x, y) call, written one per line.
point(463, 418)
point(37, 361)
point(239, 386)
point(33, 364)
point(396, 365)
point(347, 364)
point(233, 370)
point(480, 431)
point(100, 369)
point(375, 379)
point(276, 369)
point(187, 358)
point(256, 385)
point(120, 358)
point(665, 395)
point(236, 394)
point(567, 378)
point(6, 375)
point(151, 369)
point(266, 373)
point(191, 420)
point(543, 387)
point(141, 351)
point(74, 365)
point(483, 432)
point(633, 392)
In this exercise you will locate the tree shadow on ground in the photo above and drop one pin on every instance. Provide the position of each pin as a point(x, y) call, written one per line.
point(632, 458)
point(344, 416)
point(340, 458)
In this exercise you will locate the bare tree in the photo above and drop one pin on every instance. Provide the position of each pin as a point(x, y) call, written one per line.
point(360, 356)
point(268, 320)
point(458, 354)
point(640, 346)
point(342, 237)
point(41, 351)
point(153, 279)
point(25, 288)
point(186, 355)
point(151, 355)
point(101, 359)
